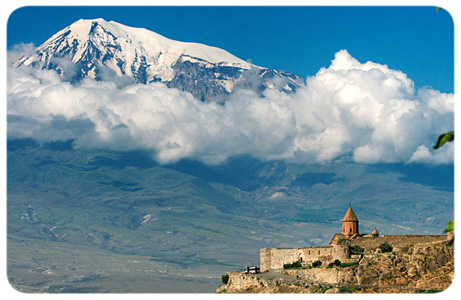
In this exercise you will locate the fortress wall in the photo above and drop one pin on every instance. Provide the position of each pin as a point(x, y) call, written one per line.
point(279, 257)
point(275, 258)
point(324, 254)
point(265, 259)
point(342, 252)
point(311, 254)
point(396, 241)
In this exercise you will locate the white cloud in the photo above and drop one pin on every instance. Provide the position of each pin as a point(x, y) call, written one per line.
point(365, 112)
point(18, 51)
point(423, 154)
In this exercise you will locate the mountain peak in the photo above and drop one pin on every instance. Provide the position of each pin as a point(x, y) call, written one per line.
point(101, 49)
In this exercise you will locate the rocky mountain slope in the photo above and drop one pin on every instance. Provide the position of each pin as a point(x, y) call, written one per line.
point(418, 268)
point(110, 50)
point(77, 217)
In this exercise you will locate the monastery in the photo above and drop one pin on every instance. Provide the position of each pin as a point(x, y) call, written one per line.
point(416, 262)
point(339, 248)
point(350, 229)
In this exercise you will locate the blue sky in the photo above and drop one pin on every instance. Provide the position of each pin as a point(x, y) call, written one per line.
point(416, 40)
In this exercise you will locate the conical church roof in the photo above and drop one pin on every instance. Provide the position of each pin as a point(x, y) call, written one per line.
point(375, 232)
point(350, 216)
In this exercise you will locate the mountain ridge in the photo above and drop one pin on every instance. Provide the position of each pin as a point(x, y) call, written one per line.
point(101, 50)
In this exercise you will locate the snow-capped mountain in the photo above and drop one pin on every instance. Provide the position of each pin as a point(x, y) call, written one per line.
point(100, 49)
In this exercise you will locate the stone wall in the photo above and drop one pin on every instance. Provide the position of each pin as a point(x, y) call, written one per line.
point(397, 241)
point(324, 254)
point(265, 261)
point(275, 258)
point(317, 275)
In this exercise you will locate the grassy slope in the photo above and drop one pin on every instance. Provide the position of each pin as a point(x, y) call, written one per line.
point(186, 223)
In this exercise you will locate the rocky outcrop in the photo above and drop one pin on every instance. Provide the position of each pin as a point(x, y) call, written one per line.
point(414, 268)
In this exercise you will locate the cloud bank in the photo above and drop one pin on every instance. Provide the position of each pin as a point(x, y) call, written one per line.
point(364, 112)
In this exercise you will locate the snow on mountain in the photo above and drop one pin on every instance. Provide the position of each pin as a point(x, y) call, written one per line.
point(100, 49)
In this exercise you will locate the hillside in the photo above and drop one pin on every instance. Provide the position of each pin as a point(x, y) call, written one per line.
point(413, 268)
point(184, 225)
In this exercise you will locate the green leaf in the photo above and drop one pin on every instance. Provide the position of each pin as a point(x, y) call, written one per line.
point(450, 226)
point(444, 138)
point(438, 8)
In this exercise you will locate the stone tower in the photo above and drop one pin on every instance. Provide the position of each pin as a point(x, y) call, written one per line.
point(350, 223)
point(375, 233)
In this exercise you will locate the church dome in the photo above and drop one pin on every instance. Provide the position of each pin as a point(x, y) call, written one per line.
point(350, 216)
point(375, 232)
